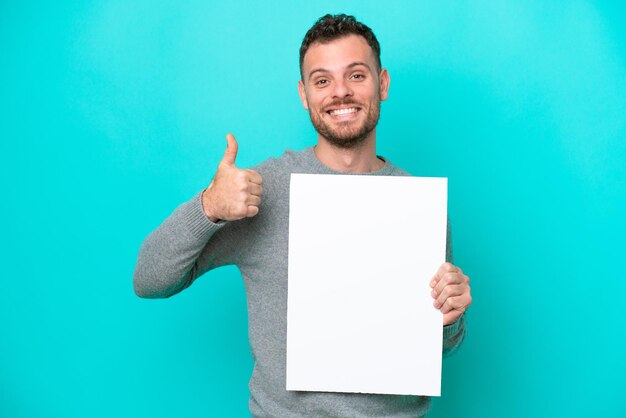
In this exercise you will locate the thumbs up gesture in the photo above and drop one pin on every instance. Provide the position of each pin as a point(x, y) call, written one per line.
point(234, 193)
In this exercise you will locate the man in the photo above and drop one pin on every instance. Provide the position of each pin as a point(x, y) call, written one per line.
point(241, 218)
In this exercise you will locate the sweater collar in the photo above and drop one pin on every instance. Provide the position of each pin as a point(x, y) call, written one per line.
point(309, 153)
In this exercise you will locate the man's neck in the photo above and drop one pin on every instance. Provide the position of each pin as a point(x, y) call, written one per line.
point(360, 159)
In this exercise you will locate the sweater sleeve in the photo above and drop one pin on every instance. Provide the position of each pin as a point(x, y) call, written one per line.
point(453, 335)
point(168, 258)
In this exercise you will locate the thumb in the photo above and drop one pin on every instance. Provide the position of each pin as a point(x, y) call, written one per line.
point(231, 151)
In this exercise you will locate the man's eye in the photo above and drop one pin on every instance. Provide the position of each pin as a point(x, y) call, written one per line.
point(321, 82)
point(358, 76)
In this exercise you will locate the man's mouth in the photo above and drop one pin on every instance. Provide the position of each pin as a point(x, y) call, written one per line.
point(341, 112)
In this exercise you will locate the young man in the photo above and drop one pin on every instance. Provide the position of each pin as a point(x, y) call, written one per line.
point(242, 217)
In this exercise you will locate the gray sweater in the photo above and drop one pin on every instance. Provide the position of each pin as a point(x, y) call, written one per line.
point(188, 245)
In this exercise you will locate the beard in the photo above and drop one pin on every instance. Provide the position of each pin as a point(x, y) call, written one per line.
point(343, 135)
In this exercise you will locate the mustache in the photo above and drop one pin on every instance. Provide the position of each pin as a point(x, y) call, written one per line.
point(342, 102)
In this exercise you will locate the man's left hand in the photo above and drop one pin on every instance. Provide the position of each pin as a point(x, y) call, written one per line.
point(451, 292)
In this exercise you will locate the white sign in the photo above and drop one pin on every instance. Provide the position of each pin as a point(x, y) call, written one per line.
point(362, 251)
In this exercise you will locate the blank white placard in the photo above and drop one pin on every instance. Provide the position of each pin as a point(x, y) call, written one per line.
point(362, 251)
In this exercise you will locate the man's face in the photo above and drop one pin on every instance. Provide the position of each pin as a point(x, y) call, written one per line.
point(342, 90)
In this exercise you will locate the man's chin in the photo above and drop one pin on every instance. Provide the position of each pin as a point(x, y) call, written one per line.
point(344, 134)
point(345, 141)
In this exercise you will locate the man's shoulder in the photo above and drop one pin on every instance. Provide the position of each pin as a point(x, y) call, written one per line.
point(290, 161)
point(393, 170)
point(276, 171)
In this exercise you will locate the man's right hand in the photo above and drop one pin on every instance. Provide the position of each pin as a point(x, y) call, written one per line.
point(234, 193)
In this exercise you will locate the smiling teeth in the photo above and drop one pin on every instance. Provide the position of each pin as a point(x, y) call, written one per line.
point(343, 111)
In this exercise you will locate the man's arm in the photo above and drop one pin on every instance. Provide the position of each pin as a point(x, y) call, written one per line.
point(168, 258)
point(167, 261)
point(448, 283)
point(451, 294)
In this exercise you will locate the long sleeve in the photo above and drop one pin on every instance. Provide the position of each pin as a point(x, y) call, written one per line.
point(453, 335)
point(168, 258)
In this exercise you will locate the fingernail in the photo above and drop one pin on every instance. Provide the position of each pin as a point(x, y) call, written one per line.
point(437, 304)
point(434, 293)
point(433, 283)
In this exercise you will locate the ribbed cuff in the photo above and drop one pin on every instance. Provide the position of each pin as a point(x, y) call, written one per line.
point(450, 331)
point(196, 220)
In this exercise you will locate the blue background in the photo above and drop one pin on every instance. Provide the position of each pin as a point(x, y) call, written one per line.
point(114, 112)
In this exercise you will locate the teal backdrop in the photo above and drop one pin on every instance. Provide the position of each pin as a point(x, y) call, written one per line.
point(114, 112)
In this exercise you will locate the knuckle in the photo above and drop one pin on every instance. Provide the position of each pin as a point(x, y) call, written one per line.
point(239, 208)
point(240, 186)
point(254, 175)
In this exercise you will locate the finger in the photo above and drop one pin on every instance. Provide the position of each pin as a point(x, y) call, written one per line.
point(458, 303)
point(231, 151)
point(449, 292)
point(441, 271)
point(254, 177)
point(253, 200)
point(451, 278)
point(447, 268)
point(252, 211)
point(255, 189)
point(451, 317)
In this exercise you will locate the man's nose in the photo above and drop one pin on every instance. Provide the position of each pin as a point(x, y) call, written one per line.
point(341, 89)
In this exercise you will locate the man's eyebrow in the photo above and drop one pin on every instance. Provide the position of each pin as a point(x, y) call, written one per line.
point(352, 65)
point(317, 70)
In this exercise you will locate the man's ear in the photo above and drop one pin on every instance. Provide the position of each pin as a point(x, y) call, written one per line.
point(302, 93)
point(385, 80)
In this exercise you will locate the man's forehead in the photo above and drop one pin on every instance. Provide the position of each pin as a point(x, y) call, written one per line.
point(338, 53)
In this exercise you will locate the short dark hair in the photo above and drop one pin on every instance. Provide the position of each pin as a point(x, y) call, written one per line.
point(331, 27)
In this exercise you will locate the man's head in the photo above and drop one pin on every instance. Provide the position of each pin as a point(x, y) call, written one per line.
point(342, 83)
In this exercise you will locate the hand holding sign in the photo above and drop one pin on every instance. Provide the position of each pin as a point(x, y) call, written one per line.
point(451, 292)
